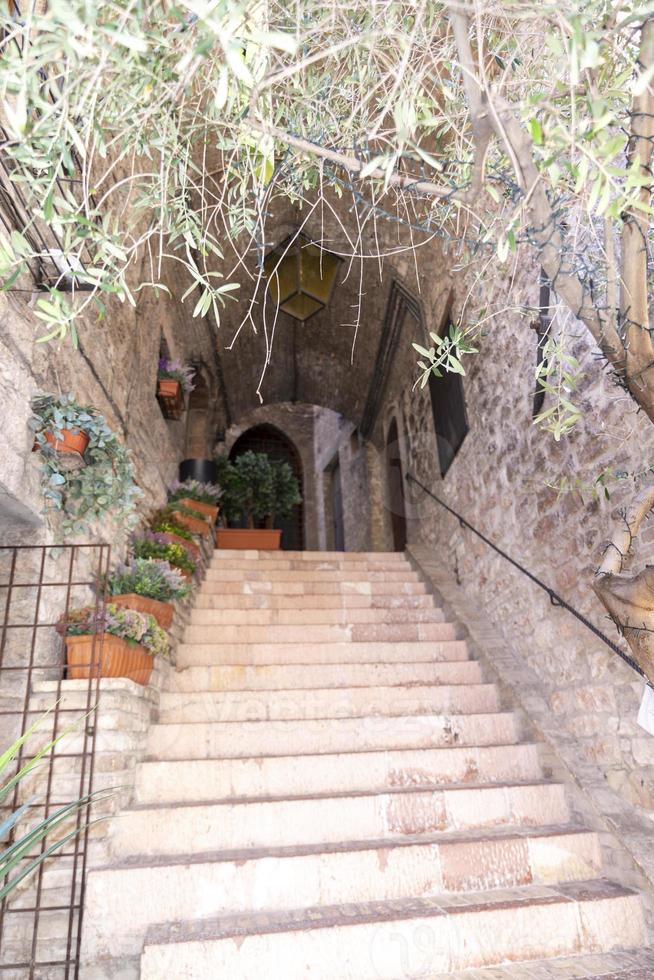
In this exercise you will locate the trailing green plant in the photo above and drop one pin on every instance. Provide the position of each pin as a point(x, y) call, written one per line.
point(205, 493)
point(102, 486)
point(149, 577)
point(256, 488)
point(163, 523)
point(149, 544)
point(136, 628)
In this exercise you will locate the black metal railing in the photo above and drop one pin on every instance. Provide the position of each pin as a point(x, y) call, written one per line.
point(40, 921)
point(554, 597)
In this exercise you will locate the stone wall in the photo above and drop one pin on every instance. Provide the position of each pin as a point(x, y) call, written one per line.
point(501, 482)
point(114, 370)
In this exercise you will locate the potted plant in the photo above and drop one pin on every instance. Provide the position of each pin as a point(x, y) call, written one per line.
point(256, 491)
point(166, 527)
point(102, 485)
point(190, 518)
point(149, 544)
point(112, 642)
point(148, 585)
point(197, 496)
point(174, 383)
point(61, 423)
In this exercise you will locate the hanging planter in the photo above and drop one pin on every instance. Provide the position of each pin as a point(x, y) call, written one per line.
point(171, 399)
point(86, 472)
point(174, 382)
point(70, 442)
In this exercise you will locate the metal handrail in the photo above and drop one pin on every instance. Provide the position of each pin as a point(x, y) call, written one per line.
point(554, 597)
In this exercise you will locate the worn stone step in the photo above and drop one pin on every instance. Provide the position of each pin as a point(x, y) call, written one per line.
point(403, 938)
point(203, 706)
point(202, 780)
point(630, 964)
point(180, 829)
point(312, 601)
point(263, 557)
point(311, 564)
point(260, 677)
point(311, 652)
point(215, 573)
point(224, 740)
point(295, 878)
point(309, 617)
point(327, 633)
point(252, 587)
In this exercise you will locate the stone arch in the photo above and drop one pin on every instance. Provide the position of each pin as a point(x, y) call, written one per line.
point(267, 438)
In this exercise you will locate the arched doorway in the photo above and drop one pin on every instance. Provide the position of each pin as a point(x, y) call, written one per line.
point(272, 441)
point(395, 487)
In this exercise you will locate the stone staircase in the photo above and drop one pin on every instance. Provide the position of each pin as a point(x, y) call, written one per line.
point(334, 792)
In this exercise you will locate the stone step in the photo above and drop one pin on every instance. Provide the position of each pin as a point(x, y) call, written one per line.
point(197, 653)
point(253, 587)
point(203, 706)
point(329, 601)
point(298, 676)
point(244, 565)
point(261, 557)
point(402, 938)
point(208, 780)
point(182, 829)
point(232, 740)
point(328, 633)
point(630, 964)
point(309, 617)
point(215, 573)
point(295, 878)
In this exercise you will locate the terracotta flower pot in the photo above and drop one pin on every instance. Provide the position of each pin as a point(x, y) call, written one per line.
point(162, 611)
point(243, 538)
point(210, 510)
point(72, 442)
point(170, 397)
point(111, 657)
point(192, 548)
point(196, 525)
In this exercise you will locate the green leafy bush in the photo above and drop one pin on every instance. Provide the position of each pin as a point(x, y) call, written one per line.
point(103, 485)
point(149, 577)
point(256, 487)
point(127, 624)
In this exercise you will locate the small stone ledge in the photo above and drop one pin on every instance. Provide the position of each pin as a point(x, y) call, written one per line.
point(625, 834)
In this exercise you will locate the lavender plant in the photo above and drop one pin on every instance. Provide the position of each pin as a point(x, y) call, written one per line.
point(150, 544)
point(205, 493)
point(150, 577)
point(177, 371)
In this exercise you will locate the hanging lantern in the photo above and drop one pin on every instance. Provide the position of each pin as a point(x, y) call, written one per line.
point(301, 276)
